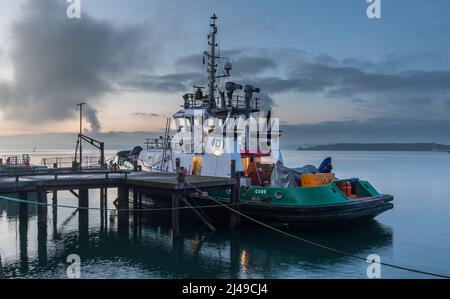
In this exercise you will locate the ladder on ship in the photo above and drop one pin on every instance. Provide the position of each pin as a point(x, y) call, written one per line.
point(166, 147)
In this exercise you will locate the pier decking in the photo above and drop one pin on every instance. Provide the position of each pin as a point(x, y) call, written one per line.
point(57, 179)
point(174, 186)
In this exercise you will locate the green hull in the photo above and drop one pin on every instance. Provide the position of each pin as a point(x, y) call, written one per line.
point(300, 196)
point(311, 208)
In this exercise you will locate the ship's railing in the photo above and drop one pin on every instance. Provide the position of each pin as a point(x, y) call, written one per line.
point(193, 103)
point(64, 162)
point(155, 143)
point(237, 102)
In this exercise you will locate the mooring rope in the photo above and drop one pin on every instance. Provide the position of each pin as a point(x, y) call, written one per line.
point(227, 206)
point(344, 253)
point(108, 209)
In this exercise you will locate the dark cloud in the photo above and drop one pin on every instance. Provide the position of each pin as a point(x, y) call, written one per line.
point(144, 114)
point(378, 89)
point(59, 62)
point(190, 62)
point(252, 66)
point(359, 81)
point(177, 82)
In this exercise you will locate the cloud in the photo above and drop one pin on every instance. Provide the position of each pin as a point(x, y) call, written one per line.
point(372, 88)
point(176, 82)
point(251, 66)
point(59, 62)
point(144, 114)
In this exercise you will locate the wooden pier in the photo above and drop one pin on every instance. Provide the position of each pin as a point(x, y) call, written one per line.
point(174, 186)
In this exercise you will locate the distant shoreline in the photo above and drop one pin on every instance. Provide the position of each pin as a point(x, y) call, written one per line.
point(404, 147)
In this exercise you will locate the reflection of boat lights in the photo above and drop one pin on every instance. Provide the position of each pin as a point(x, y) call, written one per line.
point(244, 260)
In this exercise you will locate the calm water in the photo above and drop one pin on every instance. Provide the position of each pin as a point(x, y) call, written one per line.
point(415, 234)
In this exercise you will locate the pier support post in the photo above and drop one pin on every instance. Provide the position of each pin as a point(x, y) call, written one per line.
point(42, 207)
point(2, 276)
point(140, 195)
point(136, 214)
point(102, 215)
point(83, 216)
point(42, 227)
point(176, 197)
point(103, 207)
point(23, 232)
point(235, 220)
point(177, 256)
point(123, 214)
point(55, 213)
point(23, 208)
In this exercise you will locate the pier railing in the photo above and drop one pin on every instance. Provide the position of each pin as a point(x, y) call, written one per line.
point(65, 162)
point(23, 160)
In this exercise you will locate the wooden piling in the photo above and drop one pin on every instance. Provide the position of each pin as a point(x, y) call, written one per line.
point(2, 275)
point(83, 215)
point(140, 195)
point(135, 199)
point(235, 196)
point(55, 213)
point(23, 232)
point(176, 197)
point(123, 214)
point(23, 208)
point(42, 207)
point(102, 208)
point(177, 255)
point(105, 207)
point(42, 227)
point(136, 214)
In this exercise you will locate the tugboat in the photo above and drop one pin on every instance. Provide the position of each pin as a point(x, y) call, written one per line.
point(217, 126)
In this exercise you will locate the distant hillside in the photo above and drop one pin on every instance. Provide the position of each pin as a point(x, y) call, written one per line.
point(411, 147)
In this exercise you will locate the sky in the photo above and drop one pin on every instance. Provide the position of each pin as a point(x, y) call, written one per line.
point(317, 62)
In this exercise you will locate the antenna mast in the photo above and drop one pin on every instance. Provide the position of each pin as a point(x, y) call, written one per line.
point(80, 107)
point(212, 63)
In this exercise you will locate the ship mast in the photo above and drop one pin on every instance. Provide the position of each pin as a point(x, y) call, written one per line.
point(212, 63)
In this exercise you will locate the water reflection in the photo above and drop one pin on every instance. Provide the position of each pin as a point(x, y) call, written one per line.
point(147, 249)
